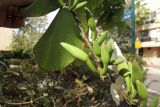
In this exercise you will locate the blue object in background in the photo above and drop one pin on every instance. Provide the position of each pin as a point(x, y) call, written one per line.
point(127, 15)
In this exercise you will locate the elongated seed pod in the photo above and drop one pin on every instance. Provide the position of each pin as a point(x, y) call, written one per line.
point(88, 12)
point(94, 35)
point(92, 24)
point(105, 58)
point(104, 53)
point(76, 52)
point(104, 70)
point(79, 54)
point(102, 37)
point(79, 5)
point(142, 91)
point(110, 46)
point(74, 4)
point(117, 60)
point(96, 48)
point(61, 2)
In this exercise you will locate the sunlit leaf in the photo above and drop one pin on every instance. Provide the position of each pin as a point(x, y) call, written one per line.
point(48, 52)
point(137, 73)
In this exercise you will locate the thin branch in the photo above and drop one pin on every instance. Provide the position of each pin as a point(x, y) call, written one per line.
point(90, 47)
point(84, 37)
point(65, 105)
point(25, 103)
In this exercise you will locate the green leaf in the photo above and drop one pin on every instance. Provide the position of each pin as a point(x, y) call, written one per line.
point(154, 102)
point(39, 8)
point(137, 73)
point(48, 52)
point(142, 90)
point(143, 103)
point(109, 13)
point(82, 16)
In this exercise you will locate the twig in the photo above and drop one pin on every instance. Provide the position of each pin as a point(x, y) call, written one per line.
point(53, 102)
point(84, 37)
point(4, 65)
point(119, 89)
point(81, 93)
point(78, 102)
point(65, 105)
point(25, 103)
point(90, 47)
point(110, 76)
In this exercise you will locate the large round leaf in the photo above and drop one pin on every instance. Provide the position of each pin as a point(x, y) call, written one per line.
point(39, 8)
point(48, 52)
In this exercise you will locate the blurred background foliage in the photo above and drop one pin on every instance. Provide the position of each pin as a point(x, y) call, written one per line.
point(26, 37)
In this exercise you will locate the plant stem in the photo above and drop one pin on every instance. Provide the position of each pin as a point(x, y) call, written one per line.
point(111, 78)
point(90, 47)
point(91, 66)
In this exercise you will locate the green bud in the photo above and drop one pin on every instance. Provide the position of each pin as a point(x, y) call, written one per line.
point(104, 53)
point(92, 24)
point(74, 51)
point(110, 46)
point(96, 48)
point(94, 35)
point(61, 2)
point(117, 60)
point(105, 58)
point(79, 5)
point(74, 4)
point(79, 54)
point(102, 37)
